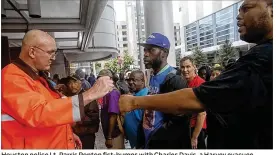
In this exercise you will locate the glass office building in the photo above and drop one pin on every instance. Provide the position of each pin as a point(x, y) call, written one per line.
point(213, 29)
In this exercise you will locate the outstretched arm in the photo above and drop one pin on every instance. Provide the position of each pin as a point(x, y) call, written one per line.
point(181, 101)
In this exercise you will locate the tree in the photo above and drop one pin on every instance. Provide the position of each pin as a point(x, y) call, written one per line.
point(127, 61)
point(226, 52)
point(113, 64)
point(199, 57)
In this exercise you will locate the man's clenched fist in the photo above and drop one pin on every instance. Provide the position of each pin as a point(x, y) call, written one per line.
point(101, 87)
point(126, 103)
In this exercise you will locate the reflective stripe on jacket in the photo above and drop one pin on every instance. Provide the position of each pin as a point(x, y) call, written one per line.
point(33, 115)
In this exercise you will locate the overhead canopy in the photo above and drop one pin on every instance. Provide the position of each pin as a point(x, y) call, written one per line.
point(71, 22)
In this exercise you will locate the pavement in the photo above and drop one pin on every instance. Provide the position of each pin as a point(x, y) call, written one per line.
point(100, 140)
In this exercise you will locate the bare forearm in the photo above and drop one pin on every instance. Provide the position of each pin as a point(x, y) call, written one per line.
point(176, 102)
point(199, 124)
point(88, 97)
point(112, 122)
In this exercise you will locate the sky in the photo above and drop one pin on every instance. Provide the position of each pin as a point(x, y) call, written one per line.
point(119, 6)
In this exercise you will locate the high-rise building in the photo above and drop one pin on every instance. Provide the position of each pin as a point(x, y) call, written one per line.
point(122, 36)
point(212, 31)
point(199, 12)
point(127, 31)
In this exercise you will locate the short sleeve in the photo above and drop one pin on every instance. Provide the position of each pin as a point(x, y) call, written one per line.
point(113, 105)
point(174, 82)
point(238, 88)
point(178, 82)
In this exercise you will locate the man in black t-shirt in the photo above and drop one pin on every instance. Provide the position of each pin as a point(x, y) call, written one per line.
point(239, 100)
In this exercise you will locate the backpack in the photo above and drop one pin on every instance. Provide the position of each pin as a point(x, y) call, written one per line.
point(122, 87)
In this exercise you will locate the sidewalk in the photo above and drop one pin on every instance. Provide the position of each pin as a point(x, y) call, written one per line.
point(100, 140)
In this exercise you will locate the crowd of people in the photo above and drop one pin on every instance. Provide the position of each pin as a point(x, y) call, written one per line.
point(190, 107)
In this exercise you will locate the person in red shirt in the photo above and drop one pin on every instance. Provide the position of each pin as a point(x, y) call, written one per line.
point(198, 121)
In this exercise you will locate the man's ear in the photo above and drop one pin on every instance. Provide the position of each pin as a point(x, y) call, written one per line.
point(164, 54)
point(31, 52)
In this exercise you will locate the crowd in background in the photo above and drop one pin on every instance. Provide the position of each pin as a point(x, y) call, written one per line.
point(133, 82)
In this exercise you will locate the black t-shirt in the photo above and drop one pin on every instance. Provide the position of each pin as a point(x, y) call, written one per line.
point(239, 102)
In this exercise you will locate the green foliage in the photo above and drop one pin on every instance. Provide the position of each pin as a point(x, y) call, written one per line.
point(226, 52)
point(199, 57)
point(127, 61)
point(113, 65)
point(98, 65)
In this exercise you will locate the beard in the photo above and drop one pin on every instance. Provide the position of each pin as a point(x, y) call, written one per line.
point(154, 64)
point(148, 66)
point(258, 30)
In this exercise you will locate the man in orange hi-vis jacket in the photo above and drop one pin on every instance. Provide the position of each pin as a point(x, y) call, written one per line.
point(34, 115)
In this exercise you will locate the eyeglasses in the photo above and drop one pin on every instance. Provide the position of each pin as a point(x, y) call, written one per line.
point(51, 53)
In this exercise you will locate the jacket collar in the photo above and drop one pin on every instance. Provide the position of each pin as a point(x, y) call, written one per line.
point(34, 75)
point(26, 68)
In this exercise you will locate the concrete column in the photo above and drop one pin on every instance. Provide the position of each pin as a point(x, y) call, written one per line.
point(159, 18)
point(184, 21)
point(199, 10)
point(94, 68)
point(184, 9)
point(217, 5)
point(131, 31)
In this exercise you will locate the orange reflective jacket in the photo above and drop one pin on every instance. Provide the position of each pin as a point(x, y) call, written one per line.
point(33, 116)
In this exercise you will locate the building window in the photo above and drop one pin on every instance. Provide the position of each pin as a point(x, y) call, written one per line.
point(225, 32)
point(124, 39)
point(224, 11)
point(124, 33)
point(123, 26)
point(191, 25)
point(124, 45)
